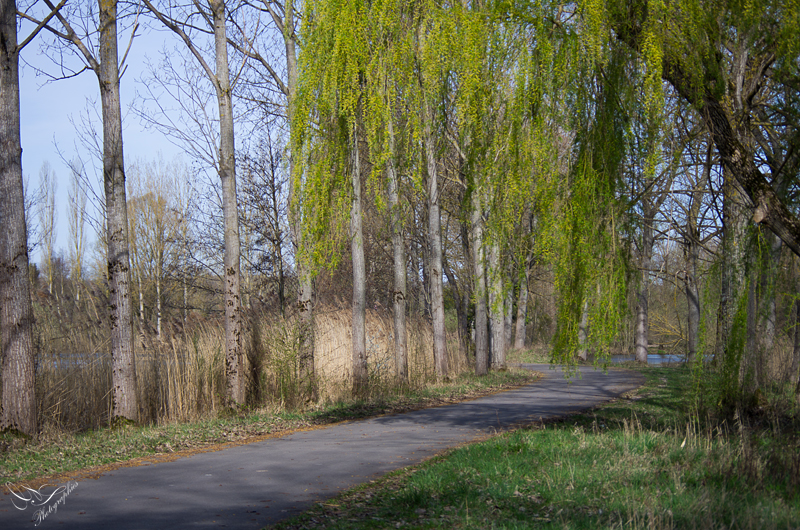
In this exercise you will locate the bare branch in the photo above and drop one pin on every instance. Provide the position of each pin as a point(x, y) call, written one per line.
point(39, 26)
point(176, 28)
point(74, 39)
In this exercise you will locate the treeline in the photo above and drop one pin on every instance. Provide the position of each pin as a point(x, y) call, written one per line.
point(604, 176)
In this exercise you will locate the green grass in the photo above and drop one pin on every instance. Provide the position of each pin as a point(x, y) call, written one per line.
point(55, 452)
point(643, 462)
point(537, 354)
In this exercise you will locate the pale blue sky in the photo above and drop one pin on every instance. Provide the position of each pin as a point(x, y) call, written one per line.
point(46, 110)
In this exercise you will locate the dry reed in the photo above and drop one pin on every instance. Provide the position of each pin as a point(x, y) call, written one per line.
point(181, 377)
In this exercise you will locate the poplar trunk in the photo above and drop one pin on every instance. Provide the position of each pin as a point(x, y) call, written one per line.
point(583, 333)
point(359, 279)
point(123, 362)
point(795, 370)
point(234, 362)
point(643, 296)
point(305, 291)
point(520, 334)
point(496, 309)
point(479, 278)
point(435, 258)
point(508, 322)
point(16, 314)
point(399, 256)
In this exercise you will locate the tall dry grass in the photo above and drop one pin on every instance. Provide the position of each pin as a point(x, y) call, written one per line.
point(181, 377)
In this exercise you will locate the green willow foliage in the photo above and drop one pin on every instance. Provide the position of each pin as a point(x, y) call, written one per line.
point(537, 100)
point(504, 82)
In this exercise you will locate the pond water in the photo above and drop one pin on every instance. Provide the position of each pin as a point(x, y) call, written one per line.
point(652, 358)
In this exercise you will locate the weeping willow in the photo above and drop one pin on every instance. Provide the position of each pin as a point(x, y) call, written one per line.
point(539, 101)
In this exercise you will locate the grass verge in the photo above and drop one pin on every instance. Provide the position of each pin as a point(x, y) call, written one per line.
point(59, 456)
point(640, 462)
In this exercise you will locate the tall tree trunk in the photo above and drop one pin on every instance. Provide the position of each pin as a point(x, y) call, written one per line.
point(234, 362)
point(693, 302)
point(692, 244)
point(305, 305)
point(522, 311)
point(795, 370)
point(643, 297)
point(479, 278)
point(461, 304)
point(399, 257)
point(732, 282)
point(123, 365)
point(158, 302)
point(583, 333)
point(141, 300)
point(16, 313)
point(435, 259)
point(359, 279)
point(466, 296)
point(508, 320)
point(496, 309)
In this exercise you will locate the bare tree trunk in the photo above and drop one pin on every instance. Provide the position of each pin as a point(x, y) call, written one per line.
point(508, 320)
point(158, 303)
point(435, 237)
point(693, 303)
point(734, 223)
point(643, 297)
point(461, 305)
point(479, 276)
point(234, 369)
point(141, 301)
point(583, 333)
point(496, 313)
point(125, 402)
point(47, 215)
point(692, 243)
point(305, 291)
point(16, 313)
point(522, 312)
point(795, 370)
point(359, 279)
point(399, 256)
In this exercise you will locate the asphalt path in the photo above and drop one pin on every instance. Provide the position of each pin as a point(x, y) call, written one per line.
point(256, 484)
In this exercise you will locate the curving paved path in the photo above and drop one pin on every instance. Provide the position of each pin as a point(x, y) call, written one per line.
point(256, 484)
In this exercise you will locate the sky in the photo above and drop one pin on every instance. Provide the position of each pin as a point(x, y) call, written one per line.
point(48, 106)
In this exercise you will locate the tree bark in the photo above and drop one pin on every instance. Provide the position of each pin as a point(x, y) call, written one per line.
point(399, 257)
point(479, 278)
point(508, 320)
point(496, 308)
point(234, 367)
point(730, 133)
point(123, 362)
point(642, 297)
point(795, 370)
point(360, 376)
point(16, 313)
point(435, 259)
point(305, 289)
point(734, 223)
point(583, 333)
point(692, 244)
point(522, 312)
